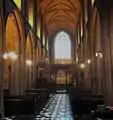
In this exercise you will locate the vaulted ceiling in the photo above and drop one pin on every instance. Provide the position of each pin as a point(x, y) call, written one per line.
point(61, 14)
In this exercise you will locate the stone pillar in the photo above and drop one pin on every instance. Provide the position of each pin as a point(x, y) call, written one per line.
point(111, 35)
point(87, 79)
point(92, 51)
point(105, 27)
point(22, 74)
point(98, 47)
point(87, 83)
point(1, 40)
point(15, 76)
point(34, 66)
point(1, 61)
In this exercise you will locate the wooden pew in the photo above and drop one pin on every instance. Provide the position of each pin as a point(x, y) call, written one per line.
point(103, 113)
point(44, 93)
point(84, 101)
point(13, 105)
point(32, 103)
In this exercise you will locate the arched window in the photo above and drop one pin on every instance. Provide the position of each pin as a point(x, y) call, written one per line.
point(62, 47)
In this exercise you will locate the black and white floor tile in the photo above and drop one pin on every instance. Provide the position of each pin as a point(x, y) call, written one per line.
point(58, 108)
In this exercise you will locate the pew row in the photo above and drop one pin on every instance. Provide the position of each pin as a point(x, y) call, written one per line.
point(28, 104)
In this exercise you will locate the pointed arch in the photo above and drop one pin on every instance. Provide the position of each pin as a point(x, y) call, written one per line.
point(20, 27)
point(30, 55)
point(29, 47)
point(14, 42)
point(62, 46)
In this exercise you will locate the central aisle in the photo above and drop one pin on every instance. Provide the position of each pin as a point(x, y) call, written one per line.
point(58, 108)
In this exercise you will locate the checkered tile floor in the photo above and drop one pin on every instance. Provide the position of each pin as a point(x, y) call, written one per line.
point(58, 108)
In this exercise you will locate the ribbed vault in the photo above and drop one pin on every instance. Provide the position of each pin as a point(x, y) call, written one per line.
point(60, 14)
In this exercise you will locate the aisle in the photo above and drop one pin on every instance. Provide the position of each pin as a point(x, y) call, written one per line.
point(58, 108)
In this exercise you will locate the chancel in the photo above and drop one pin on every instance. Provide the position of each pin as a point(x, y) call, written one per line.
point(56, 60)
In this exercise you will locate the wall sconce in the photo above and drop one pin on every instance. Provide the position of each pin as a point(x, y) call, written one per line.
point(10, 55)
point(99, 54)
point(46, 59)
point(29, 62)
point(82, 66)
point(88, 61)
point(77, 60)
point(52, 76)
point(5, 56)
point(62, 62)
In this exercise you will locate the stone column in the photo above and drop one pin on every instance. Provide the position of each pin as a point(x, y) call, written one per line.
point(34, 69)
point(1, 53)
point(98, 48)
point(87, 82)
point(105, 27)
point(92, 51)
point(15, 77)
point(111, 35)
point(1, 61)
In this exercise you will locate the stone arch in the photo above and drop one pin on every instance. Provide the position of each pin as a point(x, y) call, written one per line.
point(29, 57)
point(30, 45)
point(29, 48)
point(52, 41)
point(21, 28)
point(14, 42)
point(61, 78)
